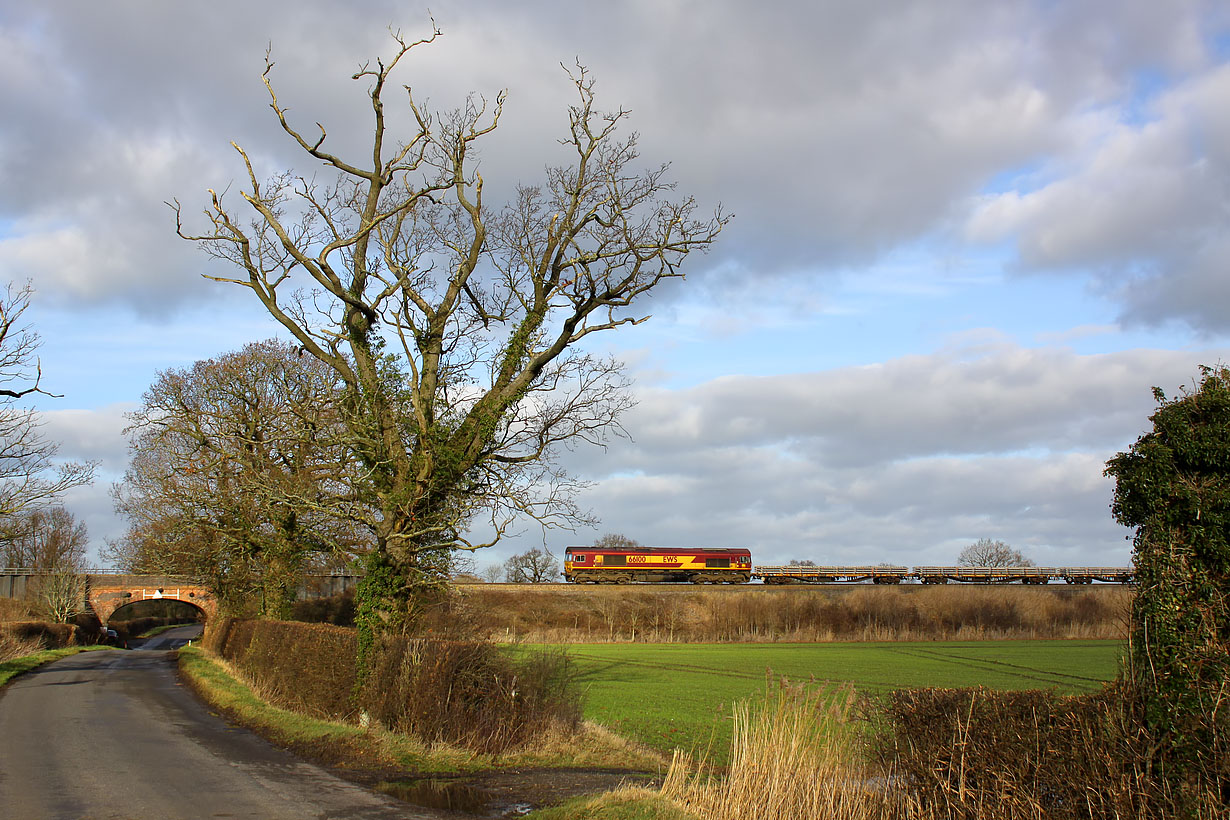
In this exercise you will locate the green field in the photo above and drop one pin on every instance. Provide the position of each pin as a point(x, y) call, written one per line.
point(680, 695)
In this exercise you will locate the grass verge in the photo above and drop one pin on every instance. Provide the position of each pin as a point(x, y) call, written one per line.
point(15, 666)
point(629, 803)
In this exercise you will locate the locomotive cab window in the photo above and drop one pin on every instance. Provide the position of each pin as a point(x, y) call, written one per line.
point(717, 563)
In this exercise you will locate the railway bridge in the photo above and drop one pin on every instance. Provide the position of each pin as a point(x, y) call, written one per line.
point(105, 592)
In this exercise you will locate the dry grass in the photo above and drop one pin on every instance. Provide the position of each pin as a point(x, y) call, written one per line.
point(969, 754)
point(590, 745)
point(15, 609)
point(792, 757)
point(13, 646)
point(820, 614)
point(624, 803)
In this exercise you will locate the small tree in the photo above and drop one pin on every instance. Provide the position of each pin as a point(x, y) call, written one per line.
point(987, 553)
point(616, 541)
point(535, 566)
point(1173, 487)
point(62, 593)
point(806, 562)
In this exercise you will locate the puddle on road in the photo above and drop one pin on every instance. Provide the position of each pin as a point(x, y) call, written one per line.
point(453, 795)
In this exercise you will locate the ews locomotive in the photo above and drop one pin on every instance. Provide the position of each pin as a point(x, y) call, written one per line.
point(699, 565)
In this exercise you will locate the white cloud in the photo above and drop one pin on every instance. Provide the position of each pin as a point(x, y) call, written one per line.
point(906, 461)
point(90, 435)
point(1144, 210)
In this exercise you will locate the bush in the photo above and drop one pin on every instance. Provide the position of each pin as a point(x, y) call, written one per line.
point(15, 609)
point(307, 668)
point(43, 635)
point(337, 610)
point(973, 753)
point(469, 693)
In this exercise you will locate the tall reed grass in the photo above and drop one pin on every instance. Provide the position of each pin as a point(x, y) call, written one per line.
point(793, 756)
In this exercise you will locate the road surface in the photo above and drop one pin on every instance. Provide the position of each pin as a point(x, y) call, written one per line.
point(112, 734)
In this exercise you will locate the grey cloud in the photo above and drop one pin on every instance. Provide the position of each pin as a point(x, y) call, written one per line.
point(907, 461)
point(835, 131)
point(954, 402)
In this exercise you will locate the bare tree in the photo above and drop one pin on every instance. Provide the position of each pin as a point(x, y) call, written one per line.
point(53, 542)
point(29, 474)
point(44, 539)
point(987, 553)
point(62, 594)
point(239, 473)
point(455, 327)
point(492, 573)
point(806, 562)
point(616, 541)
point(535, 566)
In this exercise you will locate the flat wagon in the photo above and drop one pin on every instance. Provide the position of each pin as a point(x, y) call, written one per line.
point(800, 574)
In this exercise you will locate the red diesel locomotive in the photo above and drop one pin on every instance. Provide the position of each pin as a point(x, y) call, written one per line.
point(699, 565)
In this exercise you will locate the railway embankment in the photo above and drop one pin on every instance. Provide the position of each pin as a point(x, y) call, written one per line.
point(755, 613)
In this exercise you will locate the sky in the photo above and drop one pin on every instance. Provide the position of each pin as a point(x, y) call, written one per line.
point(969, 239)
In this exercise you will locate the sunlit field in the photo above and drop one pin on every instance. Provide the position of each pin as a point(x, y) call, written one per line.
point(672, 695)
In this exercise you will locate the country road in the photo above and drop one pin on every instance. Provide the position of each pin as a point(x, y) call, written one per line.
point(112, 734)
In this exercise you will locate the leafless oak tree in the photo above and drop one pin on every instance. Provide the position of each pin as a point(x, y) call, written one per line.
point(30, 475)
point(239, 474)
point(535, 566)
point(987, 553)
point(455, 327)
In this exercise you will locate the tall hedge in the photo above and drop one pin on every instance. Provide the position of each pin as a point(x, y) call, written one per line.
point(465, 692)
point(1173, 487)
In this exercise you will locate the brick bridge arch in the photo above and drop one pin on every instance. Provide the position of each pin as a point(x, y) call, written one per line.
point(107, 593)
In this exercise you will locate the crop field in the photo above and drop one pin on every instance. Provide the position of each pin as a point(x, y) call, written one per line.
point(680, 695)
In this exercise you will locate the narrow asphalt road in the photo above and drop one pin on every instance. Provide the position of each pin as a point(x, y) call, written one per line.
point(112, 734)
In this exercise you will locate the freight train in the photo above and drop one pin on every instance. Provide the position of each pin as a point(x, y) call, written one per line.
point(711, 565)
